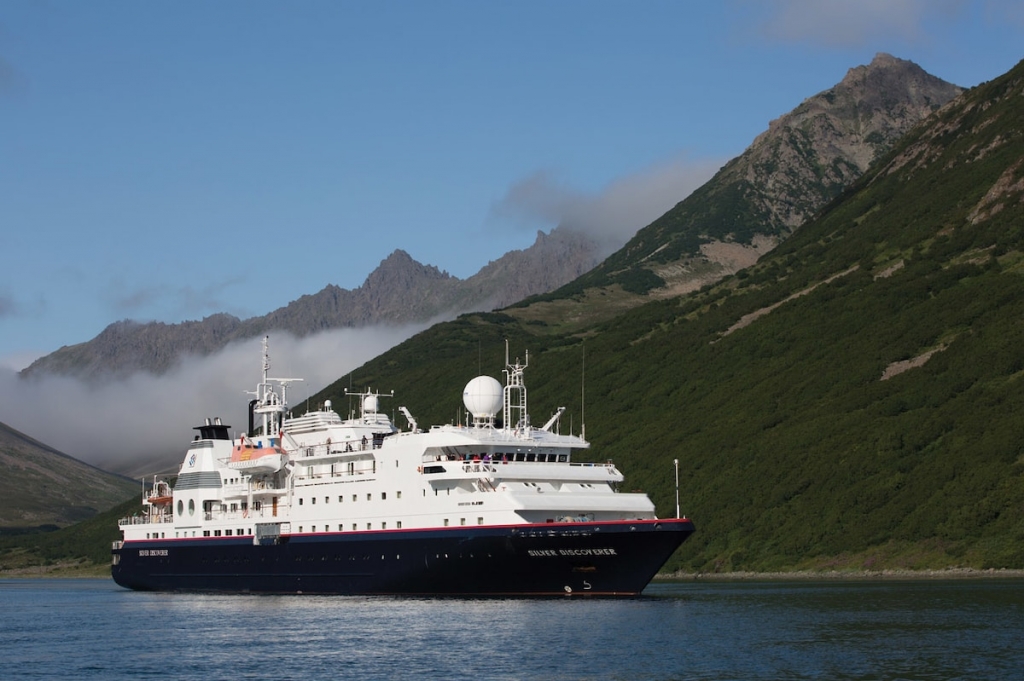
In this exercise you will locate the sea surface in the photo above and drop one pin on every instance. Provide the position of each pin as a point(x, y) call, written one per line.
point(93, 629)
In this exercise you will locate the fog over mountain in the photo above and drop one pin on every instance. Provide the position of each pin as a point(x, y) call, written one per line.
point(141, 423)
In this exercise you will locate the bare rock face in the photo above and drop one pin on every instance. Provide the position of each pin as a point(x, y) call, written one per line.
point(808, 156)
point(400, 291)
point(805, 159)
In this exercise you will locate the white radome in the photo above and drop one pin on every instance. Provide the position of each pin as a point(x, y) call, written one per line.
point(483, 397)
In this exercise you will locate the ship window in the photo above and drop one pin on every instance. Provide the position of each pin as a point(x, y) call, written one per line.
point(399, 523)
point(446, 522)
point(384, 526)
point(383, 496)
point(191, 506)
point(300, 528)
point(300, 502)
point(353, 527)
point(398, 494)
point(462, 521)
point(216, 533)
point(206, 533)
point(396, 463)
point(245, 505)
point(181, 507)
point(354, 497)
point(313, 500)
point(234, 507)
point(239, 531)
point(562, 458)
point(227, 533)
point(339, 527)
point(368, 496)
point(341, 498)
point(327, 500)
point(313, 529)
point(256, 505)
point(368, 525)
point(479, 521)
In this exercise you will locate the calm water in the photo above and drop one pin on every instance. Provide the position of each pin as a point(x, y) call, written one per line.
point(85, 629)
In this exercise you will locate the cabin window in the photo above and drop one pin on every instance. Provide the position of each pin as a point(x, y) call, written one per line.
point(216, 533)
point(313, 500)
point(562, 458)
point(234, 507)
point(351, 467)
point(339, 527)
point(384, 525)
point(398, 494)
point(446, 522)
point(313, 529)
point(341, 498)
point(245, 505)
point(396, 463)
point(462, 521)
point(300, 501)
point(181, 507)
point(479, 521)
point(256, 505)
point(355, 497)
point(368, 526)
point(239, 531)
point(191, 506)
point(300, 528)
point(206, 533)
point(327, 500)
point(227, 533)
point(383, 496)
point(353, 527)
point(399, 524)
point(369, 496)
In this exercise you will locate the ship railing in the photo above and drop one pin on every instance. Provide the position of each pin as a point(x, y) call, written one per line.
point(146, 520)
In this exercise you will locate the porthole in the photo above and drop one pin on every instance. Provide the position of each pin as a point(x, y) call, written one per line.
point(181, 507)
point(191, 506)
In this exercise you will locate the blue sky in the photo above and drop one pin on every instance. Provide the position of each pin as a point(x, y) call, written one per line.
point(168, 160)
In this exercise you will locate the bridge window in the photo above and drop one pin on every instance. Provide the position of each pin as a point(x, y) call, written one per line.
point(383, 496)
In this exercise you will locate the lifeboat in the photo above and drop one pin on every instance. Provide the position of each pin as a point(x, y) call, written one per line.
point(161, 494)
point(254, 459)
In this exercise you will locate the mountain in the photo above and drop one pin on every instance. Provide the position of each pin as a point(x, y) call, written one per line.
point(42, 486)
point(852, 400)
point(804, 160)
point(399, 291)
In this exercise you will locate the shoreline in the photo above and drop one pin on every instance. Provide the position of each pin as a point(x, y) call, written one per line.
point(79, 571)
point(842, 575)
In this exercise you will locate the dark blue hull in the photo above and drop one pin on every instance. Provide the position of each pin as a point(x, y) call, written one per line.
point(599, 558)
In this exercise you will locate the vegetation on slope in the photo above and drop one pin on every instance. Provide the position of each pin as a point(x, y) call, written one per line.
point(801, 443)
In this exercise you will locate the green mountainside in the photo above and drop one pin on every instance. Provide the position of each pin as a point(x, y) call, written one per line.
point(851, 401)
point(42, 486)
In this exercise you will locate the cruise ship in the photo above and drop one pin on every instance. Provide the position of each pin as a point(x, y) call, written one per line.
point(318, 504)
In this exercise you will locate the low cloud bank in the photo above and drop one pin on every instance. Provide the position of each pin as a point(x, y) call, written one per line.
point(614, 214)
point(143, 423)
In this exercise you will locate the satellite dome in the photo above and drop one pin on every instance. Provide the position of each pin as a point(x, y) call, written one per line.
point(482, 397)
point(370, 404)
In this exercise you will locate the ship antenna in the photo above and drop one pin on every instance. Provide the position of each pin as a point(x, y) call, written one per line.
point(676, 462)
point(583, 395)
